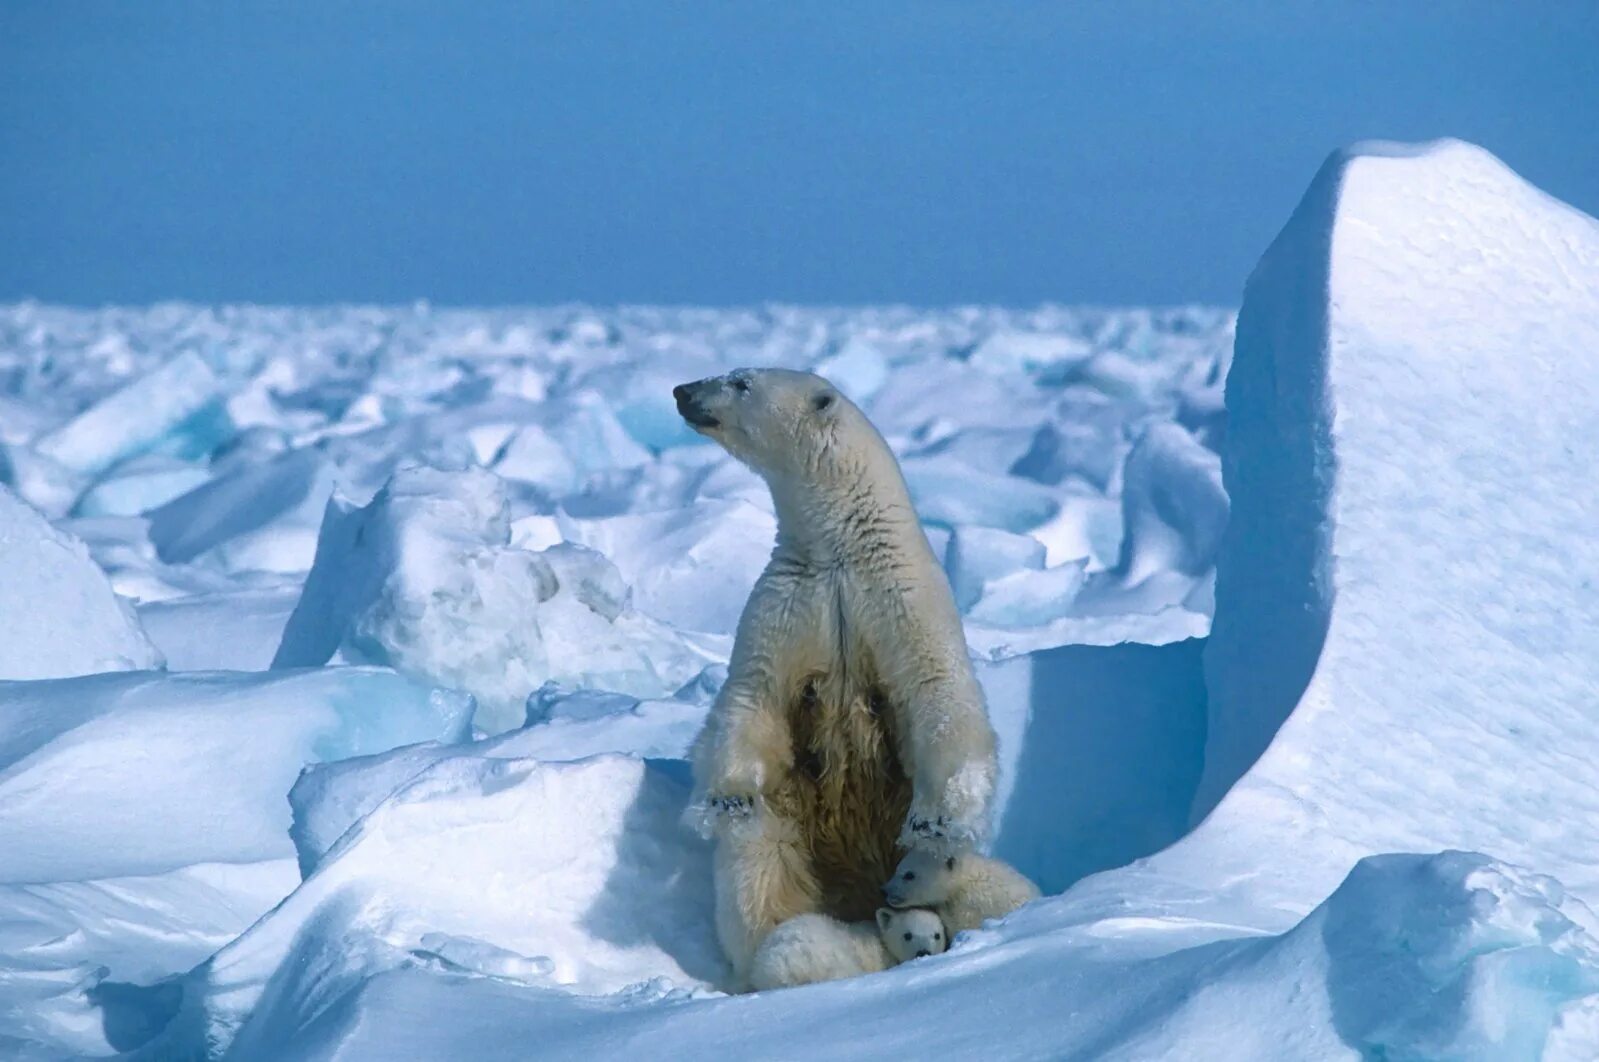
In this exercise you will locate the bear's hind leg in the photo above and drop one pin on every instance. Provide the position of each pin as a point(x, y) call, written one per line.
point(763, 878)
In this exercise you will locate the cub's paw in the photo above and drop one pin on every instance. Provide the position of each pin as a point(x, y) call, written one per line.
point(936, 830)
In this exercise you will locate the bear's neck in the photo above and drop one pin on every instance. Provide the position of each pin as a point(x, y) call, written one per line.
point(847, 519)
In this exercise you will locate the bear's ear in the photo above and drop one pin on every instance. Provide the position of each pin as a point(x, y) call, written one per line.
point(885, 915)
point(822, 402)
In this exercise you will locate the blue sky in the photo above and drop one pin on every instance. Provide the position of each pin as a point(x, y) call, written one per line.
point(926, 152)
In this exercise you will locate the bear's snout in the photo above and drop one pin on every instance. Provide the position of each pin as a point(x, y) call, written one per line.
point(924, 953)
point(689, 406)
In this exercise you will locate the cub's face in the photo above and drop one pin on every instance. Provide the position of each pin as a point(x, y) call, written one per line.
point(911, 933)
point(921, 880)
point(776, 421)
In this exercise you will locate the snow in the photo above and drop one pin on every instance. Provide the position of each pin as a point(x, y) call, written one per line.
point(1405, 607)
point(179, 769)
point(577, 875)
point(423, 579)
point(61, 616)
point(1354, 822)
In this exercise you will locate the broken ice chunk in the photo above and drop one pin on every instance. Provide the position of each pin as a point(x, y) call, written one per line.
point(135, 418)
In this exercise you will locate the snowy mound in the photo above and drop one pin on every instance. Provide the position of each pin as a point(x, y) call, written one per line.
point(577, 876)
point(423, 579)
point(1406, 589)
point(61, 617)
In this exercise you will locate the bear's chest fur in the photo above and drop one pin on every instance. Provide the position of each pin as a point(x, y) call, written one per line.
point(847, 788)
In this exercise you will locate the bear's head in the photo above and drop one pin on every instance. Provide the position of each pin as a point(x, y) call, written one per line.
point(911, 932)
point(779, 422)
point(922, 879)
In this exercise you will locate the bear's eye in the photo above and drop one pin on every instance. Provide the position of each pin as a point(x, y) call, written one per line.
point(910, 875)
point(741, 386)
point(938, 936)
point(907, 936)
point(821, 402)
point(951, 863)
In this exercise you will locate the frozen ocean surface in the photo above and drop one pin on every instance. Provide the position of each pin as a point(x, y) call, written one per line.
point(441, 597)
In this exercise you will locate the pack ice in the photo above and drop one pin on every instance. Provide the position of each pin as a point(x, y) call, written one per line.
point(1356, 822)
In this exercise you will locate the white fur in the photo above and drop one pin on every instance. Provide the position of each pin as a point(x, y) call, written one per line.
point(976, 889)
point(816, 947)
point(852, 578)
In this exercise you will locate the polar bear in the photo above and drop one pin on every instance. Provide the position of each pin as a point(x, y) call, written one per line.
point(851, 727)
point(966, 890)
point(814, 947)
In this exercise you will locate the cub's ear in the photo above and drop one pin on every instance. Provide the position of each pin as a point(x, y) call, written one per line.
point(822, 402)
point(885, 915)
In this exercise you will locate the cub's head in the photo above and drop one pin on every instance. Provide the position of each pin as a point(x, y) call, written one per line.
point(922, 879)
point(911, 933)
point(776, 421)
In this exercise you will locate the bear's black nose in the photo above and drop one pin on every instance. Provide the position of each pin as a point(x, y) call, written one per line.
point(680, 392)
point(923, 954)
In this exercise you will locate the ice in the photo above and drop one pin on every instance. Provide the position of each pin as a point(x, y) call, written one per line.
point(535, 456)
point(692, 566)
point(1030, 598)
point(61, 616)
point(139, 485)
point(978, 555)
point(950, 492)
point(233, 630)
point(1174, 508)
point(577, 875)
point(329, 798)
point(1086, 439)
point(255, 517)
point(424, 579)
point(1405, 616)
point(136, 417)
point(136, 774)
point(859, 369)
point(1011, 353)
point(594, 439)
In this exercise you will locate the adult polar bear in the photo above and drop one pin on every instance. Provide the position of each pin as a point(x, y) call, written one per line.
point(851, 727)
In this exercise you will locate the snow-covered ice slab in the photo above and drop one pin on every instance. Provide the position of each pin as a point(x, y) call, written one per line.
point(135, 418)
point(58, 614)
point(424, 580)
point(136, 774)
point(237, 630)
point(329, 798)
point(691, 567)
point(262, 516)
point(572, 876)
point(1409, 587)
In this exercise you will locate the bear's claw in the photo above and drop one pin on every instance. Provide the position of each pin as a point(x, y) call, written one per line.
point(734, 807)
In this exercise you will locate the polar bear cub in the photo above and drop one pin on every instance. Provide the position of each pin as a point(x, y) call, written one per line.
point(815, 947)
point(966, 890)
